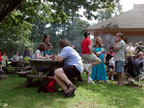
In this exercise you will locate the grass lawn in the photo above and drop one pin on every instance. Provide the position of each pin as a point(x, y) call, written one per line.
point(99, 95)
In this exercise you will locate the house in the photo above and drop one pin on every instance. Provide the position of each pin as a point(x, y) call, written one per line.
point(130, 23)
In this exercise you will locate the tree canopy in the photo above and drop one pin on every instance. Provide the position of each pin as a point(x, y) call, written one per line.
point(56, 10)
point(24, 22)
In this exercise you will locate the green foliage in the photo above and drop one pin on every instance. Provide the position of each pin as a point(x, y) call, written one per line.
point(72, 30)
point(14, 35)
point(24, 22)
point(106, 13)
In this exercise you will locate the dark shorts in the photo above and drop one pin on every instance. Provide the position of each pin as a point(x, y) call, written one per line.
point(119, 66)
point(71, 71)
point(0, 63)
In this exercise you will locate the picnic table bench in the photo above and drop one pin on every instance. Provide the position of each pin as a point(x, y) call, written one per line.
point(17, 65)
point(37, 63)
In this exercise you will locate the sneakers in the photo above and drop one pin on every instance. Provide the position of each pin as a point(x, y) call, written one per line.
point(70, 91)
point(90, 80)
point(112, 78)
point(87, 67)
point(131, 80)
point(106, 81)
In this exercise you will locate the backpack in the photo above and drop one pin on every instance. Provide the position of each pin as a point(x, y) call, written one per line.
point(47, 85)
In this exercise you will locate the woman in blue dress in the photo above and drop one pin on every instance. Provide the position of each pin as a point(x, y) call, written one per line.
point(99, 71)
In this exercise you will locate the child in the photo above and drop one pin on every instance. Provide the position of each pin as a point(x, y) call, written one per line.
point(111, 68)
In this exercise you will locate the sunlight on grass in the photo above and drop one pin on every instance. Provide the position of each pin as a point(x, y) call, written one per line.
point(99, 95)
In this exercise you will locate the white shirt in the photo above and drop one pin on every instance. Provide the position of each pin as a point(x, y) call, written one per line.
point(40, 53)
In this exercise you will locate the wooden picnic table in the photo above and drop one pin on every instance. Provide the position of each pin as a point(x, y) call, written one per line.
point(37, 63)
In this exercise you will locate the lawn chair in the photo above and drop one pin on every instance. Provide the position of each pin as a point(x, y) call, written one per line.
point(134, 70)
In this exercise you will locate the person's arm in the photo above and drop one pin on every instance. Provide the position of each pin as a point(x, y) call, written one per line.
point(63, 55)
point(100, 52)
point(39, 57)
point(90, 49)
point(117, 46)
point(105, 57)
point(59, 59)
point(90, 46)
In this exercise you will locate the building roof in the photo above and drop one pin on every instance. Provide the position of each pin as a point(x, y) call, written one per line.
point(127, 20)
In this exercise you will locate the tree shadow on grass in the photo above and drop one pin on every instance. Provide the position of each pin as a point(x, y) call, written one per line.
point(19, 97)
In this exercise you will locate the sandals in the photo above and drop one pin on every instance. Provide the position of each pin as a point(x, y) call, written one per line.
point(119, 84)
point(70, 91)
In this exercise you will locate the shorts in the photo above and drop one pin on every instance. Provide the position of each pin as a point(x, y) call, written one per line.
point(71, 71)
point(0, 63)
point(119, 66)
point(89, 57)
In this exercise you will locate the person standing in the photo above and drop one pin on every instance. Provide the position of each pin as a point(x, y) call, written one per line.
point(99, 71)
point(46, 40)
point(88, 55)
point(140, 48)
point(26, 51)
point(4, 61)
point(119, 57)
point(130, 51)
point(16, 56)
point(111, 68)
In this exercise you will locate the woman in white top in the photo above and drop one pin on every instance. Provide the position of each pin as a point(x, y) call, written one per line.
point(39, 52)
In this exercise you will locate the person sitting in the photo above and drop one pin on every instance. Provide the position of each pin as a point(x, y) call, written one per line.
point(27, 57)
point(141, 58)
point(39, 55)
point(39, 52)
point(132, 68)
point(140, 48)
point(130, 50)
point(16, 57)
point(4, 61)
point(73, 67)
point(47, 51)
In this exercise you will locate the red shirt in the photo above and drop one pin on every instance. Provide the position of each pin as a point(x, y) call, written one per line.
point(85, 43)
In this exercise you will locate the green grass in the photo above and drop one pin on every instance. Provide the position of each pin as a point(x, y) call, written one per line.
point(99, 95)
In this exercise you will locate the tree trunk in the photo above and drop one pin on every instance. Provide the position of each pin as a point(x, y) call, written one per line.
point(13, 5)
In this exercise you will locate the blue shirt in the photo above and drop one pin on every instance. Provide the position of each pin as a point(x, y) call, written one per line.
point(71, 57)
point(47, 53)
point(140, 60)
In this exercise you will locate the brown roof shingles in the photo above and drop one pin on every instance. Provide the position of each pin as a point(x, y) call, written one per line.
point(130, 19)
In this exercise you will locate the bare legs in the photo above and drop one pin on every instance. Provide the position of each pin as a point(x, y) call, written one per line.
point(96, 61)
point(111, 73)
point(61, 78)
point(121, 78)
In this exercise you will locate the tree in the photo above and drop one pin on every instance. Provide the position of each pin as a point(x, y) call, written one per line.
point(54, 8)
point(14, 36)
point(106, 13)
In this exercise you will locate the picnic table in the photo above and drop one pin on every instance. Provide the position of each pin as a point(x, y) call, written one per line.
point(37, 63)
point(17, 65)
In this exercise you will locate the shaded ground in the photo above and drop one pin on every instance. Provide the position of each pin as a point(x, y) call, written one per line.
point(99, 95)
